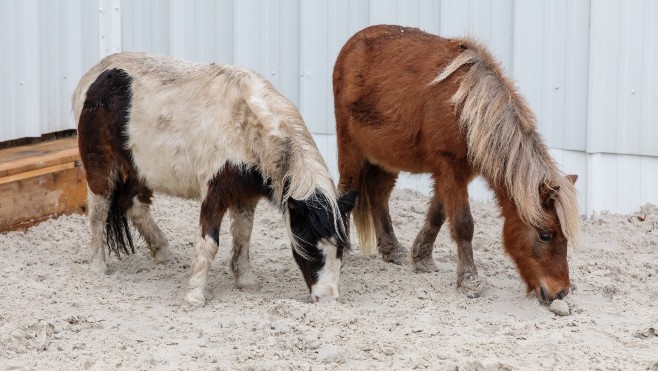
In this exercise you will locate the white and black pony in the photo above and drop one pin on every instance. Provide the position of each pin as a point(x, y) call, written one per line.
point(217, 133)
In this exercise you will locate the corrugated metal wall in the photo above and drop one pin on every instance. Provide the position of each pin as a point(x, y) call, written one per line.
point(45, 47)
point(586, 67)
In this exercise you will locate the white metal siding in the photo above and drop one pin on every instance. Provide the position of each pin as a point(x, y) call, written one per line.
point(623, 89)
point(551, 43)
point(46, 46)
point(587, 68)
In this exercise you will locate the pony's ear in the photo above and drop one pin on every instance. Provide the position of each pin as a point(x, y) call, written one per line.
point(346, 201)
point(572, 178)
point(548, 194)
point(293, 204)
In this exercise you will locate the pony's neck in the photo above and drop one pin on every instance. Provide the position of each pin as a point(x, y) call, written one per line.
point(507, 206)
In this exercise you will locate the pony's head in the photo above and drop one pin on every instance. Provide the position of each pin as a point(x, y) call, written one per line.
point(319, 239)
point(540, 253)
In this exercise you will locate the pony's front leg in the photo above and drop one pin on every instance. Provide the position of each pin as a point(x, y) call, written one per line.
point(99, 208)
point(212, 212)
point(204, 253)
point(468, 280)
point(461, 223)
point(241, 228)
point(452, 190)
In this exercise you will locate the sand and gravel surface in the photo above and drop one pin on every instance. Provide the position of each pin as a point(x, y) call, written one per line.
point(55, 313)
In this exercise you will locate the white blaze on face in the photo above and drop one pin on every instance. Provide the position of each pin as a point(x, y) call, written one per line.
point(326, 288)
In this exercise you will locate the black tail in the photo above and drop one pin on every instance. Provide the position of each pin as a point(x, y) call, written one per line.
point(116, 226)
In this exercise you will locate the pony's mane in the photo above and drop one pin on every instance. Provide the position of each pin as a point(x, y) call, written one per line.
point(503, 144)
point(288, 155)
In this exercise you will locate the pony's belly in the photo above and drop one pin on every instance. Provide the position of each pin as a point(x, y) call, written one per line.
point(166, 174)
point(394, 167)
point(392, 156)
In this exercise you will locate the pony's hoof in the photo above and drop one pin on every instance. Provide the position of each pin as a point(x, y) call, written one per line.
point(425, 265)
point(398, 256)
point(472, 286)
point(247, 281)
point(160, 255)
point(194, 299)
point(99, 266)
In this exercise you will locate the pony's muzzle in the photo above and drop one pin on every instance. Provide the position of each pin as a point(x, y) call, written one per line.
point(545, 296)
point(324, 294)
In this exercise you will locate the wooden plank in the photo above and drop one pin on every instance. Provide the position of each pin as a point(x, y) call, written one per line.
point(33, 173)
point(26, 201)
point(38, 156)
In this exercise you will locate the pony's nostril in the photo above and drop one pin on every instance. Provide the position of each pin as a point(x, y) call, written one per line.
point(544, 294)
point(560, 295)
point(323, 299)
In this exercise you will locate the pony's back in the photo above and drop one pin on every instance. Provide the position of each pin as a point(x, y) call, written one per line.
point(207, 115)
point(135, 64)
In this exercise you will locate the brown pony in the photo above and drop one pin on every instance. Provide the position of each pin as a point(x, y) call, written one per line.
point(406, 100)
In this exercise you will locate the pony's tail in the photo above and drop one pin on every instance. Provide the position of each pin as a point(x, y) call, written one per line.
point(117, 234)
point(365, 226)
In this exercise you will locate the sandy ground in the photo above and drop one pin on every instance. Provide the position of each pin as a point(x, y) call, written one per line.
point(57, 314)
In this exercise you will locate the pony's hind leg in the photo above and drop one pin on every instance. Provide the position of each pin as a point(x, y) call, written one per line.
point(99, 208)
point(424, 244)
point(380, 184)
point(241, 228)
point(140, 215)
point(100, 174)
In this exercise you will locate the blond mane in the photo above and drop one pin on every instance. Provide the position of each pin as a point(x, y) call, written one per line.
point(288, 156)
point(503, 143)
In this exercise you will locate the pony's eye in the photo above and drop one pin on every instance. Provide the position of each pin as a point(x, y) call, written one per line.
point(545, 236)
